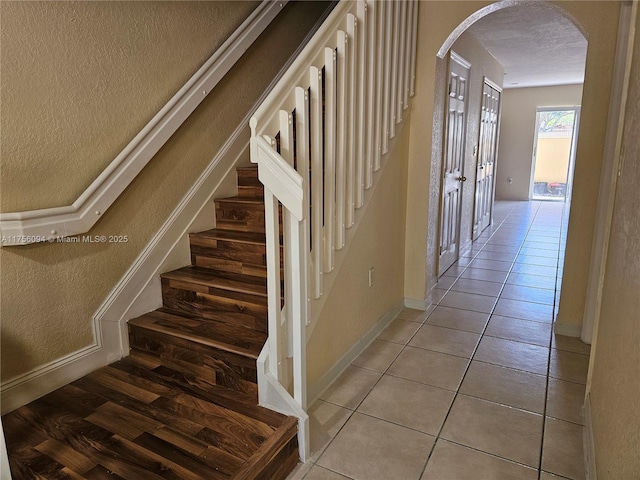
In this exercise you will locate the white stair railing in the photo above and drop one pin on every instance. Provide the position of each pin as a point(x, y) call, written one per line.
point(318, 140)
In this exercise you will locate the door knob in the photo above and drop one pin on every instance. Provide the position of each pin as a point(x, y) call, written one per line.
point(461, 179)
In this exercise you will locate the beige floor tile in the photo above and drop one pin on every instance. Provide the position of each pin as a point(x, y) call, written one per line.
point(535, 281)
point(569, 366)
point(504, 431)
point(432, 368)
point(528, 294)
point(562, 451)
point(325, 420)
point(491, 265)
point(412, 315)
point(319, 473)
point(519, 330)
point(300, 471)
point(437, 294)
point(444, 283)
point(482, 274)
point(458, 319)
point(454, 271)
point(371, 449)
point(501, 256)
point(455, 462)
point(445, 340)
point(407, 403)
point(522, 356)
point(570, 344)
point(378, 356)
point(537, 260)
point(565, 400)
point(550, 476)
point(524, 310)
point(503, 385)
point(480, 287)
point(535, 270)
point(399, 331)
point(351, 387)
point(468, 301)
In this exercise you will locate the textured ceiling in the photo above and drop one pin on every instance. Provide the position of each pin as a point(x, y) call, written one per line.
point(536, 45)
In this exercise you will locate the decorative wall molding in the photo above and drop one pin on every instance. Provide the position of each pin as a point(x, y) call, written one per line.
point(20, 228)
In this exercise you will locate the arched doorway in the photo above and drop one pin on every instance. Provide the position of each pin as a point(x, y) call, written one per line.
point(441, 23)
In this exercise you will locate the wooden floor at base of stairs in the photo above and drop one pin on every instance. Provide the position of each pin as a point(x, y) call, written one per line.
point(138, 420)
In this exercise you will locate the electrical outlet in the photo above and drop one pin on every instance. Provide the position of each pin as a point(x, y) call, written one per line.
point(372, 276)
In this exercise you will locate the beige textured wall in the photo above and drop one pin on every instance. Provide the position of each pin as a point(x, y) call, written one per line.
point(483, 64)
point(51, 291)
point(437, 20)
point(81, 79)
point(615, 362)
point(352, 307)
point(517, 134)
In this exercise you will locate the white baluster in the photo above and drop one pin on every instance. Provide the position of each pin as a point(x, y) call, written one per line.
point(386, 97)
point(395, 41)
point(329, 157)
point(401, 60)
point(352, 58)
point(414, 45)
point(380, 49)
point(361, 68)
point(407, 55)
point(370, 115)
point(315, 118)
point(341, 139)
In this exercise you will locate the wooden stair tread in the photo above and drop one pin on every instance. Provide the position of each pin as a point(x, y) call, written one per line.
point(220, 335)
point(220, 280)
point(230, 235)
point(241, 200)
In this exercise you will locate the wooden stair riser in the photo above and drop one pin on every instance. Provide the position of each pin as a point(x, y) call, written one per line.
point(238, 216)
point(220, 308)
point(202, 362)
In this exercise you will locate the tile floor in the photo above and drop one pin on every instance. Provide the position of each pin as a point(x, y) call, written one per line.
point(477, 387)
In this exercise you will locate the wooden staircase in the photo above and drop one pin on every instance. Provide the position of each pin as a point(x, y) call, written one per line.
point(183, 405)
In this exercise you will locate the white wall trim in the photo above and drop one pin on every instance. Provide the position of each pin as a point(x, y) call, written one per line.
point(589, 444)
point(334, 372)
point(416, 304)
point(20, 228)
point(567, 330)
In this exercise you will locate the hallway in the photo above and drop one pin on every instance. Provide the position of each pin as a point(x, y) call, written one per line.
point(478, 386)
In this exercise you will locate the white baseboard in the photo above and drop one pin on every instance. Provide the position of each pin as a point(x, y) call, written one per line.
point(589, 445)
point(416, 304)
point(567, 330)
point(334, 372)
point(46, 378)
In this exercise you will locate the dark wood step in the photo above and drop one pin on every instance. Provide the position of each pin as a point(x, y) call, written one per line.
point(243, 214)
point(230, 251)
point(130, 421)
point(187, 345)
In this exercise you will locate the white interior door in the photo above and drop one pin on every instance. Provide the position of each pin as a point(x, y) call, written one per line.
point(453, 162)
point(487, 155)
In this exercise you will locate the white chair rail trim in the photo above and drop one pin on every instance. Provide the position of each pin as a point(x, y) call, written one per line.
point(21, 228)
